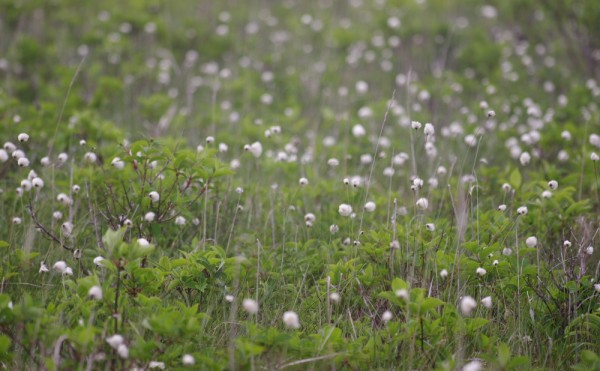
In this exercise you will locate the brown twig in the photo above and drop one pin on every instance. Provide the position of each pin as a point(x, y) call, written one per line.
point(44, 230)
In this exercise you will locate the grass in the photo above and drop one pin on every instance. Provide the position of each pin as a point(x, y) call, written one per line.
point(254, 124)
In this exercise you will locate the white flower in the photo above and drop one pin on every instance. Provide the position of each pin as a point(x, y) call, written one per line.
point(26, 185)
point(430, 227)
point(507, 251)
point(90, 157)
point(200, 148)
point(63, 157)
point(370, 206)
point(553, 185)
point(546, 194)
point(429, 129)
point(188, 360)
point(180, 220)
point(522, 210)
point(290, 319)
point(471, 140)
point(506, 187)
point(467, 305)
point(387, 316)
point(23, 137)
point(38, 183)
point(10, 147)
point(229, 298)
point(333, 162)
point(597, 287)
point(155, 364)
point(334, 297)
point(502, 207)
point(76, 188)
point(345, 210)
point(23, 162)
point(403, 294)
point(149, 217)
point(491, 114)
point(16, 220)
point(531, 241)
point(567, 243)
point(358, 131)
point(45, 161)
point(525, 158)
point(115, 340)
point(143, 242)
point(487, 302)
point(422, 203)
point(210, 139)
point(356, 181)
point(98, 261)
point(60, 266)
point(123, 351)
point(562, 156)
point(480, 271)
point(310, 217)
point(415, 125)
point(303, 181)
point(95, 293)
point(595, 140)
point(444, 273)
point(67, 228)
point(223, 147)
point(154, 196)
point(250, 306)
point(395, 244)
point(495, 263)
point(473, 365)
point(43, 268)
point(3, 155)
point(594, 157)
point(118, 163)
point(418, 182)
point(256, 149)
point(68, 271)
point(82, 142)
point(589, 250)
point(333, 228)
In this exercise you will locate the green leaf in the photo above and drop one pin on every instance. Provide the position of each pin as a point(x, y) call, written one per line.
point(519, 361)
point(4, 244)
point(398, 284)
point(503, 355)
point(515, 178)
point(112, 238)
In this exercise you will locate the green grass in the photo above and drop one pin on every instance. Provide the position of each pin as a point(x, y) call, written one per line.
point(124, 98)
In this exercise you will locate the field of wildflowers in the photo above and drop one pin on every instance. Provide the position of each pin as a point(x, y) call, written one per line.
point(267, 185)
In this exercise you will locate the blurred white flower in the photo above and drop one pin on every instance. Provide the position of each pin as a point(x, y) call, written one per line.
point(467, 305)
point(23, 137)
point(370, 206)
point(422, 203)
point(290, 319)
point(345, 210)
point(387, 316)
point(95, 293)
point(188, 360)
point(250, 306)
point(487, 302)
point(480, 271)
point(531, 241)
point(154, 196)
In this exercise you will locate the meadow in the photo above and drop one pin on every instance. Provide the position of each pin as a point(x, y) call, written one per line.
point(303, 185)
